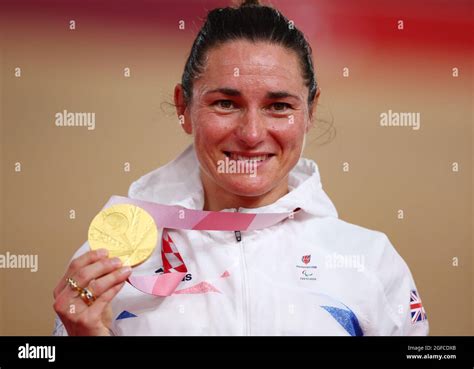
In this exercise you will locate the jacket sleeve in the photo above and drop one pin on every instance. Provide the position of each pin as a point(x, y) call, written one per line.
point(401, 312)
point(59, 329)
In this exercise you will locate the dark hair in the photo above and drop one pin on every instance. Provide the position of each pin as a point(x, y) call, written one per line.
point(250, 21)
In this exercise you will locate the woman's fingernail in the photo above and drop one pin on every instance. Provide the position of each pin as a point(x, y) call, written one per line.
point(102, 252)
point(116, 261)
point(125, 270)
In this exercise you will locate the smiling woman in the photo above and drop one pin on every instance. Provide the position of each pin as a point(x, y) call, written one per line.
point(248, 96)
point(247, 117)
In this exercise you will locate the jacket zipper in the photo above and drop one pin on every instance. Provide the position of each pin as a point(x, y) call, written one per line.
point(238, 236)
point(245, 292)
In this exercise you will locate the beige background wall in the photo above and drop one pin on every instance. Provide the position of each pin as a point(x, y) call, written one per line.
point(2, 240)
point(391, 168)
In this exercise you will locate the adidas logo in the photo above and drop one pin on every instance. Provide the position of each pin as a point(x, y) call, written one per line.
point(186, 278)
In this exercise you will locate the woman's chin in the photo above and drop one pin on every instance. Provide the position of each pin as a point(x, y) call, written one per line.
point(245, 185)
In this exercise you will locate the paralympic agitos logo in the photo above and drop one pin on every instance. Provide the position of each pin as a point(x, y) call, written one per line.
point(186, 278)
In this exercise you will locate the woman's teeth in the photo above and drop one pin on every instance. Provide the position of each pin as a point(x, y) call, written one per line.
point(249, 158)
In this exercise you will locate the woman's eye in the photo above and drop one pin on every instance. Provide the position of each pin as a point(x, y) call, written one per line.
point(224, 104)
point(280, 106)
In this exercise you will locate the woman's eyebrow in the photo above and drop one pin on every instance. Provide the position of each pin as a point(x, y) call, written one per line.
point(280, 95)
point(270, 95)
point(225, 90)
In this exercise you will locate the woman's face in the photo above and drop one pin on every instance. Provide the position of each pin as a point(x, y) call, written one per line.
point(249, 110)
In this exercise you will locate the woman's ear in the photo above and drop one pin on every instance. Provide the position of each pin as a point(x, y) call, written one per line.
point(182, 110)
point(312, 111)
point(315, 102)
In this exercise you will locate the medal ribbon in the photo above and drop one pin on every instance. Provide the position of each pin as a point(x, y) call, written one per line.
point(178, 217)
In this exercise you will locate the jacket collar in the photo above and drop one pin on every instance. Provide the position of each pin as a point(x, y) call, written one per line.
point(178, 183)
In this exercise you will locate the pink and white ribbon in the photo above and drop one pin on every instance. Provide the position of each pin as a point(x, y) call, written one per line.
point(177, 217)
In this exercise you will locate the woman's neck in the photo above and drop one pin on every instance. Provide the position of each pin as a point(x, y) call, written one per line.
point(217, 198)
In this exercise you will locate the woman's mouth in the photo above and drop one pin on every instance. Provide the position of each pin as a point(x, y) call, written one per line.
point(254, 158)
point(248, 156)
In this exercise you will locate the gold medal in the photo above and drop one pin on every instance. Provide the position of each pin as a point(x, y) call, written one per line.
point(127, 231)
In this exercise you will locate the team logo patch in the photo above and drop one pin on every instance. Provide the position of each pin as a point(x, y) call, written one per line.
point(418, 313)
point(308, 272)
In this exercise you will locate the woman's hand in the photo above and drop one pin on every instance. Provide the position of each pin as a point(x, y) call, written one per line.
point(104, 277)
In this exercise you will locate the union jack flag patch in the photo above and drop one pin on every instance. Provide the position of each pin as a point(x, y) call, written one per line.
point(417, 310)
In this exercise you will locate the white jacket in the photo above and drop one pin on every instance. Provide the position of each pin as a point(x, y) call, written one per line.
point(312, 275)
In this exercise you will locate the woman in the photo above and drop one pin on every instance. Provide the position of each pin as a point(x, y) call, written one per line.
point(248, 96)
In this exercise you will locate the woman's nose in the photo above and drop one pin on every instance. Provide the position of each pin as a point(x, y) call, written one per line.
point(251, 129)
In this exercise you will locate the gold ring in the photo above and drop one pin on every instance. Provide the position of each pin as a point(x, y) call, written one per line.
point(73, 284)
point(87, 296)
